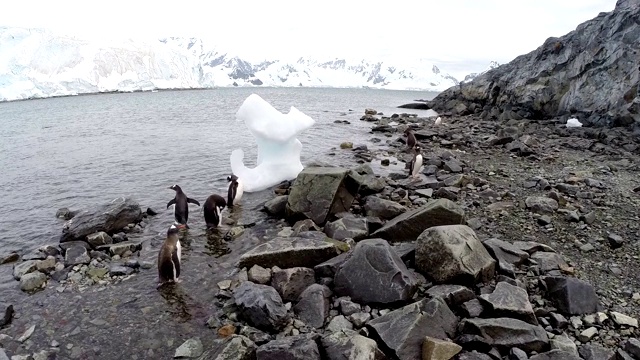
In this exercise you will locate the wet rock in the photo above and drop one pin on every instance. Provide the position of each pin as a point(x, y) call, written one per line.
point(506, 333)
point(313, 306)
point(191, 348)
point(347, 227)
point(65, 214)
point(47, 265)
point(299, 347)
point(381, 208)
point(437, 349)
point(237, 347)
point(32, 281)
point(374, 273)
point(25, 267)
point(595, 352)
point(6, 314)
point(509, 301)
point(76, 255)
point(330, 267)
point(409, 225)
point(259, 275)
point(277, 205)
point(403, 330)
point(339, 323)
point(319, 192)
point(454, 295)
point(12, 257)
point(453, 253)
point(110, 218)
point(349, 345)
point(506, 254)
point(261, 306)
point(119, 270)
point(290, 252)
point(290, 283)
point(121, 248)
point(555, 355)
point(99, 238)
point(570, 295)
point(541, 204)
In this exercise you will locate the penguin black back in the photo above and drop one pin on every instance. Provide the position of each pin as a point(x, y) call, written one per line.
point(169, 257)
point(234, 193)
point(411, 139)
point(213, 210)
point(181, 210)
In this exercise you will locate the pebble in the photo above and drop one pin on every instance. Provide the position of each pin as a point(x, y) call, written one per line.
point(586, 335)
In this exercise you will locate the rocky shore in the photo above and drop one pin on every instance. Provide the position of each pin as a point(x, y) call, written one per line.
point(518, 241)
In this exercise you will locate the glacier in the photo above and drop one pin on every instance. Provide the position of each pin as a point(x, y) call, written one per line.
point(278, 148)
point(38, 63)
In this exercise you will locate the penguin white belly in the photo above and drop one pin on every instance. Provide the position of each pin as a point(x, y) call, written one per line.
point(417, 165)
point(239, 192)
point(179, 251)
point(219, 214)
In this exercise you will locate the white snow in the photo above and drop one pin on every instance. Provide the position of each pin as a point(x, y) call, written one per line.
point(278, 148)
point(573, 122)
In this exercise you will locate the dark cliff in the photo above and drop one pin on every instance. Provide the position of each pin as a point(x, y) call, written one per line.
point(591, 73)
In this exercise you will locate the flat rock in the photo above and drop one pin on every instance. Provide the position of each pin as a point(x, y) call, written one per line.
point(99, 238)
point(570, 295)
point(409, 225)
point(313, 306)
point(121, 247)
point(437, 349)
point(549, 261)
point(119, 270)
point(299, 347)
point(506, 254)
point(555, 355)
point(330, 267)
point(509, 301)
point(454, 295)
point(532, 247)
point(237, 347)
point(290, 252)
point(505, 333)
point(25, 267)
point(453, 253)
point(349, 345)
point(374, 273)
point(403, 330)
point(76, 255)
point(291, 282)
point(261, 306)
point(110, 218)
point(381, 208)
point(347, 227)
point(191, 348)
point(595, 352)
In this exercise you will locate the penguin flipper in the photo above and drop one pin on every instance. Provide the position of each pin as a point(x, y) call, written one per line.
point(172, 202)
point(176, 262)
point(193, 201)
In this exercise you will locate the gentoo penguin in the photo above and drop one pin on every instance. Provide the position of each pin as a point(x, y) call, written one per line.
point(234, 194)
point(169, 257)
point(416, 162)
point(411, 139)
point(213, 210)
point(181, 210)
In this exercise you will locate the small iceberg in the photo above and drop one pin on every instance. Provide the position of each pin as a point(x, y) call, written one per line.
point(573, 122)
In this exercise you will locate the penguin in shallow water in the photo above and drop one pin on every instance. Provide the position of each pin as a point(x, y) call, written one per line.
point(169, 257)
point(181, 209)
point(213, 210)
point(416, 162)
point(411, 139)
point(234, 193)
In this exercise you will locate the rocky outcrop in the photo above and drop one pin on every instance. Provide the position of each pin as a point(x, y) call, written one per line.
point(591, 73)
point(290, 252)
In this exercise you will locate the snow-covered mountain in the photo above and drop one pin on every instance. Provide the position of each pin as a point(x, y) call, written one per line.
point(492, 65)
point(37, 63)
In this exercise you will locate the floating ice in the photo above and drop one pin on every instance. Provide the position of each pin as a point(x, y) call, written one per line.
point(278, 148)
point(573, 122)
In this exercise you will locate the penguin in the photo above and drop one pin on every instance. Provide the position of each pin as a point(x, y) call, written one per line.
point(181, 210)
point(169, 257)
point(213, 210)
point(416, 162)
point(438, 121)
point(234, 194)
point(411, 139)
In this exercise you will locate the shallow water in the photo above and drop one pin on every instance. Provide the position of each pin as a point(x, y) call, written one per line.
point(86, 150)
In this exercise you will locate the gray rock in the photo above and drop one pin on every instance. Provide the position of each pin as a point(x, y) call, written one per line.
point(359, 319)
point(368, 183)
point(261, 306)
point(25, 267)
point(290, 252)
point(259, 275)
point(403, 330)
point(99, 238)
point(632, 346)
point(259, 337)
point(339, 323)
point(570, 295)
point(348, 307)
point(76, 255)
point(549, 261)
point(473, 355)
point(299, 347)
point(381, 208)
point(409, 225)
point(290, 283)
point(32, 281)
point(374, 273)
point(506, 254)
point(541, 204)
point(615, 241)
point(65, 214)
point(473, 308)
point(110, 218)
point(564, 343)
point(517, 354)
point(555, 355)
point(191, 348)
point(532, 247)
point(313, 306)
point(438, 349)
point(454, 295)
point(330, 267)
point(12, 257)
point(596, 352)
point(119, 270)
point(349, 345)
point(453, 253)
point(347, 227)
point(237, 347)
point(121, 248)
point(6, 313)
point(47, 265)
point(277, 205)
point(505, 333)
point(509, 301)
point(319, 192)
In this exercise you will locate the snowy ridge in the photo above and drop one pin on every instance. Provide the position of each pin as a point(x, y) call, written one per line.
point(36, 63)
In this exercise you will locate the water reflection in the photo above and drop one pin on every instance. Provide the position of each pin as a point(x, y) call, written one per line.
point(176, 298)
point(216, 245)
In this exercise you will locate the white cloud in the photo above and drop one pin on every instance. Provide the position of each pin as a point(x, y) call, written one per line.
point(452, 31)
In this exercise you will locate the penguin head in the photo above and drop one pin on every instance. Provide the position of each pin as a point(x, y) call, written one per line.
point(231, 178)
point(172, 230)
point(176, 188)
point(407, 131)
point(417, 149)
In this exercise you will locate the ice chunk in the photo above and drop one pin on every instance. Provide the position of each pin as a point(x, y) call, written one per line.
point(573, 122)
point(278, 147)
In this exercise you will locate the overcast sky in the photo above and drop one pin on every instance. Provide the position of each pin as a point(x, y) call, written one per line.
point(449, 32)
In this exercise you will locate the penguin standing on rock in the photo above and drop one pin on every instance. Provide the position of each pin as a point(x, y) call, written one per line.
point(213, 210)
point(416, 163)
point(169, 257)
point(234, 193)
point(411, 139)
point(181, 210)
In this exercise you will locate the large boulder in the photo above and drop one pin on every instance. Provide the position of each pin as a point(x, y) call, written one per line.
point(349, 345)
point(578, 74)
point(374, 273)
point(313, 306)
point(384, 209)
point(510, 301)
point(409, 225)
point(306, 251)
point(319, 192)
point(347, 227)
point(453, 253)
point(570, 295)
point(261, 306)
point(110, 218)
point(506, 333)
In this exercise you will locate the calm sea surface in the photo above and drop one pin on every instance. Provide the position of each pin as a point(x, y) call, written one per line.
point(83, 151)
